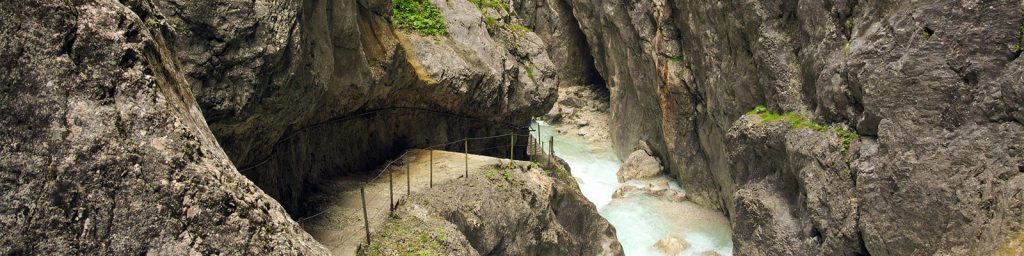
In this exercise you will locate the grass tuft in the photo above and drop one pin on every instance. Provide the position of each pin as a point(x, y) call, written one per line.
point(420, 16)
point(798, 121)
point(491, 4)
point(519, 28)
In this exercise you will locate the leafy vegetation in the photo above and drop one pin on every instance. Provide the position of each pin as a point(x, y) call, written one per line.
point(409, 236)
point(491, 22)
point(492, 4)
point(676, 58)
point(491, 174)
point(529, 71)
point(505, 173)
point(798, 121)
point(519, 28)
point(420, 16)
point(508, 175)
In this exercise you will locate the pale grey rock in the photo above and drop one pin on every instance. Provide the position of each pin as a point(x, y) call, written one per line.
point(640, 165)
point(528, 213)
point(104, 150)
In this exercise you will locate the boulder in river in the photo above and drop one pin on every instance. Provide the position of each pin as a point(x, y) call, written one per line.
point(640, 165)
point(672, 245)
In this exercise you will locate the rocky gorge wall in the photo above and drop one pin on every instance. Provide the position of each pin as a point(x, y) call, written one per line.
point(904, 129)
point(104, 148)
point(282, 82)
point(126, 124)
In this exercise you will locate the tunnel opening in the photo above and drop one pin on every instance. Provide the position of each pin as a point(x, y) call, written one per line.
point(308, 162)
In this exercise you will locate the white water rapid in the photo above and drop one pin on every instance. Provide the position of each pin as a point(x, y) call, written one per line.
point(640, 220)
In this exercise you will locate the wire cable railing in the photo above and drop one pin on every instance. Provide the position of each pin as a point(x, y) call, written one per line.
point(513, 141)
point(288, 135)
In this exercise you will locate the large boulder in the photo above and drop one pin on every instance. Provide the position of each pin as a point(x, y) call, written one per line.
point(640, 165)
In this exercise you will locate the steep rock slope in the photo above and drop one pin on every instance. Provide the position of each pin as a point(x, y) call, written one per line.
point(104, 149)
point(932, 88)
point(297, 91)
point(519, 210)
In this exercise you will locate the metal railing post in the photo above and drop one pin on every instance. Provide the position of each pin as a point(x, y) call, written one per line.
point(366, 220)
point(391, 189)
point(512, 149)
point(465, 146)
point(431, 168)
point(551, 150)
point(408, 180)
point(539, 139)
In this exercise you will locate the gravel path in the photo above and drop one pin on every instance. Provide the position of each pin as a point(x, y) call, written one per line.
point(340, 225)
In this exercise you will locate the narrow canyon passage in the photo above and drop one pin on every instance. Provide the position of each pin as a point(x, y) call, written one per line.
point(640, 220)
point(734, 127)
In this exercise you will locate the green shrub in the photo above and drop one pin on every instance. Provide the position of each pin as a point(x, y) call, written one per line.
point(508, 176)
point(491, 4)
point(420, 16)
point(490, 21)
point(519, 28)
point(491, 174)
point(798, 121)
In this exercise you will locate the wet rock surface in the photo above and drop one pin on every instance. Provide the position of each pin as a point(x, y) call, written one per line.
point(672, 245)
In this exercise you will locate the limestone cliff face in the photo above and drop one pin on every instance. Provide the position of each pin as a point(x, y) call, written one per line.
point(126, 124)
point(285, 84)
point(104, 149)
point(933, 88)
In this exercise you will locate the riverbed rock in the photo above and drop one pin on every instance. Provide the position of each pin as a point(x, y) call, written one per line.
point(519, 211)
point(923, 84)
point(640, 165)
point(582, 110)
point(657, 188)
point(709, 253)
point(672, 245)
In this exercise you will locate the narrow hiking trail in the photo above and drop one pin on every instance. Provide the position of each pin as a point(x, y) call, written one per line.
point(339, 223)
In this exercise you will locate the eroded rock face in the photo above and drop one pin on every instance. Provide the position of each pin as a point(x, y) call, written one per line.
point(104, 149)
point(120, 118)
point(924, 84)
point(520, 211)
point(795, 191)
point(297, 91)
